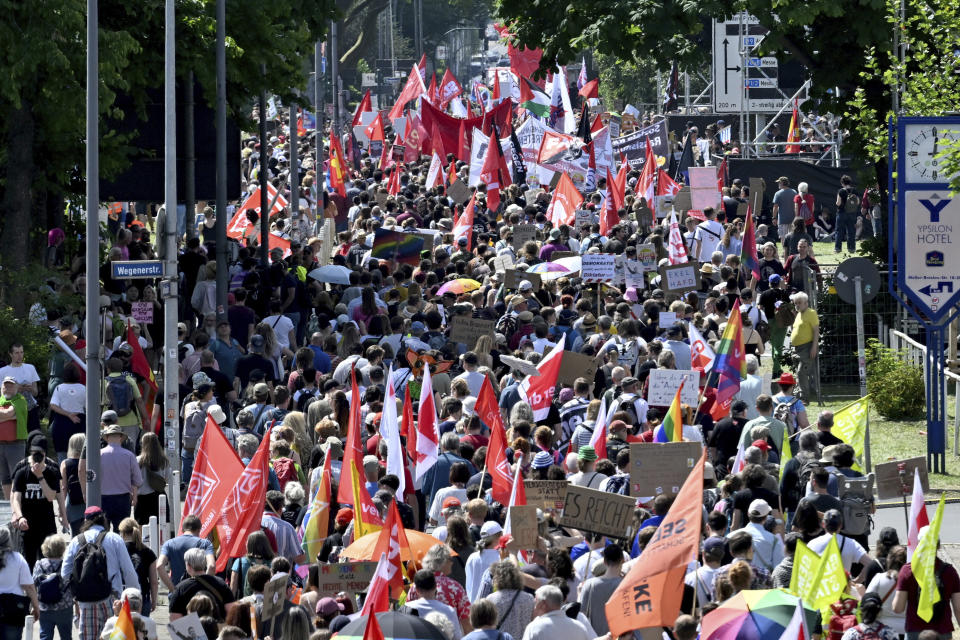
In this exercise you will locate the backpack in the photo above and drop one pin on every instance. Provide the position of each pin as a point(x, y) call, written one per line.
point(619, 483)
point(856, 496)
point(50, 585)
point(939, 607)
point(852, 203)
point(784, 413)
point(803, 211)
point(785, 315)
point(193, 425)
point(305, 399)
point(90, 580)
point(844, 617)
point(286, 471)
point(119, 395)
point(803, 475)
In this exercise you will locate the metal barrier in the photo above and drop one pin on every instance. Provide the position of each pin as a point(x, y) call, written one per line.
point(916, 355)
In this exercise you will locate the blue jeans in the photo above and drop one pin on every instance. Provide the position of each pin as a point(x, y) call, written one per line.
point(59, 619)
point(116, 507)
point(295, 319)
point(846, 226)
point(186, 466)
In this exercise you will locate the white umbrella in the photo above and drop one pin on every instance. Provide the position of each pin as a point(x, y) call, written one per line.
point(572, 263)
point(332, 273)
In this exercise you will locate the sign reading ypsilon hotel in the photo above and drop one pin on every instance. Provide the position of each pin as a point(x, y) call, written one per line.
point(136, 269)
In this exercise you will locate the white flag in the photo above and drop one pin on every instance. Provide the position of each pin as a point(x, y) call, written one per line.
point(701, 355)
point(390, 432)
point(918, 515)
point(677, 252)
point(434, 174)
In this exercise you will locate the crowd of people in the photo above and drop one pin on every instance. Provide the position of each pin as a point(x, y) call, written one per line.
point(278, 364)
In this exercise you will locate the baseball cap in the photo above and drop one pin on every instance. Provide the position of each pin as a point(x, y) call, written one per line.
point(462, 242)
point(490, 528)
point(760, 444)
point(759, 508)
point(774, 279)
point(257, 343)
point(370, 461)
point(714, 544)
point(261, 389)
point(10, 379)
point(92, 512)
point(38, 444)
point(450, 502)
point(525, 285)
point(327, 606)
point(109, 417)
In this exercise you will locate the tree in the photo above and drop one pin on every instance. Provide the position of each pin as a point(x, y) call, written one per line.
point(42, 91)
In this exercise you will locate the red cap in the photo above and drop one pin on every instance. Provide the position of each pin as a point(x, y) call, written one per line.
point(344, 516)
point(760, 444)
point(451, 502)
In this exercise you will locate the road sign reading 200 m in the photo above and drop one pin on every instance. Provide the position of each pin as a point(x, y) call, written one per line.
point(928, 247)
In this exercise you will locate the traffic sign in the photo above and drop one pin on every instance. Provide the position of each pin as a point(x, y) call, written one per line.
point(126, 270)
point(845, 279)
point(441, 52)
point(368, 80)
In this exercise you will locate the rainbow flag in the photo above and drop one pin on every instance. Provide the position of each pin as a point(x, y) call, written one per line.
point(123, 628)
point(394, 245)
point(731, 363)
point(748, 252)
point(316, 523)
point(671, 429)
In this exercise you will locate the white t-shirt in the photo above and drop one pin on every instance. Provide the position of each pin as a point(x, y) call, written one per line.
point(15, 572)
point(24, 374)
point(436, 506)
point(70, 397)
point(709, 233)
point(850, 549)
point(282, 326)
point(474, 381)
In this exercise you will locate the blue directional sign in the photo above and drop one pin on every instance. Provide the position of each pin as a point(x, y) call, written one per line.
point(136, 269)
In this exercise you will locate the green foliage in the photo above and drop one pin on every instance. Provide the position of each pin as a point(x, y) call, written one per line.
point(896, 387)
point(35, 340)
point(623, 82)
point(838, 334)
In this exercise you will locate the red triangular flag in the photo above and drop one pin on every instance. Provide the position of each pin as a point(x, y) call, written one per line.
point(411, 91)
point(591, 89)
point(352, 452)
point(449, 88)
point(363, 107)
point(597, 124)
point(374, 130)
point(496, 462)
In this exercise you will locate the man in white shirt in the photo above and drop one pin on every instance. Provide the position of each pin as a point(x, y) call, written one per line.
point(426, 584)
point(473, 378)
point(768, 548)
point(850, 550)
point(707, 236)
point(714, 549)
point(283, 328)
point(584, 565)
point(550, 622)
point(752, 387)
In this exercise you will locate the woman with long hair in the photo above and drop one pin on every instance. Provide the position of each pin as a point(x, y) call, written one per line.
point(885, 583)
point(144, 562)
point(156, 477)
point(460, 540)
point(67, 410)
point(296, 625)
point(16, 589)
point(730, 243)
point(271, 348)
point(71, 485)
point(259, 551)
point(349, 340)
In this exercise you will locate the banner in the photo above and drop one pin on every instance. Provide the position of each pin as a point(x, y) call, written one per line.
point(478, 151)
point(530, 134)
point(633, 145)
point(565, 154)
point(449, 127)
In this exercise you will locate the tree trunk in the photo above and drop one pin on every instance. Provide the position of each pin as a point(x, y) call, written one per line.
point(18, 198)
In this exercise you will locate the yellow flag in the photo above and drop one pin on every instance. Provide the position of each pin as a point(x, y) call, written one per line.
point(923, 564)
point(831, 580)
point(786, 454)
point(850, 425)
point(805, 566)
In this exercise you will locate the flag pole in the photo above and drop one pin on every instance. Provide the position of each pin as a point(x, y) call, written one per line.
point(482, 474)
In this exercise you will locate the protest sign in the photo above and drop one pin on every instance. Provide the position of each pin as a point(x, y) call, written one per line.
point(663, 386)
point(523, 526)
point(466, 330)
point(576, 365)
point(274, 595)
point(513, 278)
point(661, 467)
point(667, 319)
point(598, 267)
point(142, 311)
point(890, 484)
point(609, 514)
point(345, 576)
point(634, 145)
point(582, 217)
point(757, 187)
point(546, 494)
point(523, 233)
point(502, 263)
point(633, 274)
point(459, 191)
point(681, 200)
point(679, 278)
point(647, 254)
point(186, 628)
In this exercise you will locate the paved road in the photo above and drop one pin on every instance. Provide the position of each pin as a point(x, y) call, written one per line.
point(893, 517)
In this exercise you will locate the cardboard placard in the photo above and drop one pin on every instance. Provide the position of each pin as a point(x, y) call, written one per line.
point(680, 278)
point(513, 278)
point(681, 200)
point(598, 267)
point(647, 254)
point(186, 628)
point(667, 319)
point(459, 191)
point(503, 263)
point(546, 494)
point(466, 330)
point(614, 123)
point(523, 526)
point(634, 274)
point(428, 239)
point(274, 595)
point(608, 514)
point(663, 386)
point(742, 210)
point(756, 195)
point(582, 217)
point(661, 467)
point(522, 234)
point(889, 481)
point(557, 255)
point(576, 365)
point(142, 311)
point(345, 576)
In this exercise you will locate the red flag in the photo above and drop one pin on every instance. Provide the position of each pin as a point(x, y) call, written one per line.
point(393, 184)
point(432, 89)
point(243, 508)
point(565, 202)
point(449, 88)
point(539, 390)
point(301, 130)
point(608, 217)
point(374, 130)
point(793, 133)
point(338, 165)
point(352, 452)
point(216, 468)
point(490, 173)
point(496, 463)
point(378, 594)
point(364, 106)
point(522, 61)
point(138, 361)
point(422, 66)
point(452, 172)
point(722, 175)
point(463, 146)
point(645, 187)
point(436, 143)
point(409, 432)
point(391, 541)
point(496, 87)
point(649, 595)
point(428, 440)
point(411, 91)
point(597, 124)
point(463, 225)
point(591, 89)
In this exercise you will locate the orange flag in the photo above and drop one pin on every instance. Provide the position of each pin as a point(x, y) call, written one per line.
point(649, 595)
point(123, 627)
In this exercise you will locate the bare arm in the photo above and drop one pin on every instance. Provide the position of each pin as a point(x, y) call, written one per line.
point(8, 413)
point(899, 604)
point(163, 571)
point(154, 586)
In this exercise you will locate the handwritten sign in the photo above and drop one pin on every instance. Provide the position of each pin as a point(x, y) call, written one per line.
point(663, 386)
point(576, 365)
point(466, 330)
point(679, 278)
point(667, 319)
point(647, 255)
point(523, 526)
point(546, 494)
point(608, 514)
point(503, 263)
point(661, 467)
point(681, 200)
point(345, 576)
point(582, 217)
point(274, 595)
point(142, 311)
point(598, 267)
point(513, 278)
point(633, 273)
point(522, 234)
